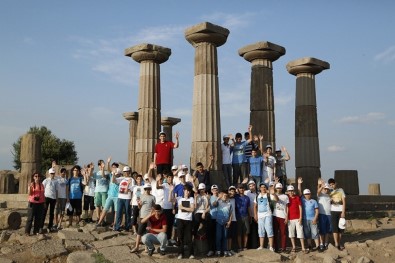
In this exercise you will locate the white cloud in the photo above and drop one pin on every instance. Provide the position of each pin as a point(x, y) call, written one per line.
point(392, 123)
point(336, 148)
point(229, 21)
point(368, 118)
point(386, 56)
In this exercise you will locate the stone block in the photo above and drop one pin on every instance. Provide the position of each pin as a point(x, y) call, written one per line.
point(374, 189)
point(122, 254)
point(75, 235)
point(348, 180)
point(73, 245)
point(81, 257)
point(105, 235)
point(7, 183)
point(48, 249)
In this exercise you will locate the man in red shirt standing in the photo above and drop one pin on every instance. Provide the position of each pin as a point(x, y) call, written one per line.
point(295, 219)
point(156, 231)
point(163, 153)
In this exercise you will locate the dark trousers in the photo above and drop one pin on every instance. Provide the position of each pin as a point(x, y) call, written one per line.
point(170, 221)
point(253, 239)
point(51, 204)
point(227, 170)
point(184, 231)
point(35, 212)
point(211, 234)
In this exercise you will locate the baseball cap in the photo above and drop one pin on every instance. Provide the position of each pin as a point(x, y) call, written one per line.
point(181, 173)
point(269, 146)
point(183, 166)
point(201, 186)
point(51, 171)
point(271, 184)
point(290, 188)
point(126, 169)
point(162, 132)
point(214, 186)
point(232, 187)
point(306, 192)
point(327, 186)
point(342, 223)
point(279, 186)
point(251, 182)
point(225, 136)
point(278, 150)
point(146, 186)
point(174, 167)
point(145, 176)
point(118, 171)
point(261, 184)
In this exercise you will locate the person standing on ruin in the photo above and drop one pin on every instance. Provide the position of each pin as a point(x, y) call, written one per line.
point(102, 178)
point(36, 205)
point(238, 158)
point(281, 171)
point(295, 221)
point(50, 186)
point(163, 153)
point(227, 150)
point(89, 193)
point(269, 165)
point(324, 216)
point(74, 195)
point(338, 211)
point(248, 149)
point(280, 219)
point(62, 198)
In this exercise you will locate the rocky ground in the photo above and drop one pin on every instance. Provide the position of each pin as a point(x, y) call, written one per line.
point(365, 241)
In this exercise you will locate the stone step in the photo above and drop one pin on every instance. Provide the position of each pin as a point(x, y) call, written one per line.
point(17, 204)
point(14, 197)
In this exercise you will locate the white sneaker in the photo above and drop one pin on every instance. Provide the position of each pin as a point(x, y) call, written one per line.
point(231, 252)
point(227, 254)
point(210, 253)
point(191, 257)
point(218, 253)
point(259, 248)
point(271, 249)
point(180, 256)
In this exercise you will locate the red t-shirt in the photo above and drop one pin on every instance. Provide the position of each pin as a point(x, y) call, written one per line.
point(163, 152)
point(157, 223)
point(293, 207)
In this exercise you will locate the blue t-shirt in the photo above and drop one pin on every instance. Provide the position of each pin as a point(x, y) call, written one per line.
point(242, 205)
point(113, 189)
point(309, 207)
point(75, 189)
point(213, 209)
point(256, 165)
point(102, 183)
point(238, 153)
point(224, 210)
point(179, 189)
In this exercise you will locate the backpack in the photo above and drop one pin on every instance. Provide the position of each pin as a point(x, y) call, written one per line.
point(271, 205)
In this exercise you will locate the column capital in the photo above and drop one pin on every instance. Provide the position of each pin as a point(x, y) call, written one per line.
point(131, 116)
point(206, 32)
point(307, 65)
point(169, 121)
point(262, 50)
point(146, 51)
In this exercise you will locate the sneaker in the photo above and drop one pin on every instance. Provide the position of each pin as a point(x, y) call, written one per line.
point(227, 254)
point(321, 248)
point(218, 253)
point(271, 249)
point(151, 251)
point(210, 253)
point(259, 248)
point(179, 256)
point(326, 246)
point(232, 253)
point(191, 257)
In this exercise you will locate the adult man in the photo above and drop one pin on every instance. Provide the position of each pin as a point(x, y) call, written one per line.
point(324, 216)
point(238, 158)
point(156, 230)
point(281, 171)
point(338, 211)
point(226, 150)
point(50, 193)
point(163, 153)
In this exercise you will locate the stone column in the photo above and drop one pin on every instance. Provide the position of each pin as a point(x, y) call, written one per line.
point(374, 189)
point(206, 124)
point(149, 106)
point(261, 55)
point(167, 127)
point(30, 160)
point(348, 180)
point(307, 152)
point(132, 117)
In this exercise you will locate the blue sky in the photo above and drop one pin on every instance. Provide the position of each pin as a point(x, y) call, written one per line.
point(62, 66)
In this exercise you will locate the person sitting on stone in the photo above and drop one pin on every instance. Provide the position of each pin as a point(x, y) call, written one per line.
point(156, 230)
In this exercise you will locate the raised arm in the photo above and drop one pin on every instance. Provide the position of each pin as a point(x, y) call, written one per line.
point(177, 140)
point(250, 132)
point(210, 166)
point(300, 181)
point(287, 156)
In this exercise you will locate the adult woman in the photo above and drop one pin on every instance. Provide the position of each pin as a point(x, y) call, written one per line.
point(36, 205)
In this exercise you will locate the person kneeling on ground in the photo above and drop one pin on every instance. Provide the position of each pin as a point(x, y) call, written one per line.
point(156, 231)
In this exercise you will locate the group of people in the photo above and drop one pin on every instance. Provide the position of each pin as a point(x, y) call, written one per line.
point(168, 206)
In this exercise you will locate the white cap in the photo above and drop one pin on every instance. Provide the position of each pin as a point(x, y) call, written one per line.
point(279, 186)
point(232, 187)
point(306, 191)
point(51, 171)
point(290, 188)
point(146, 176)
point(118, 171)
point(226, 136)
point(146, 186)
point(126, 169)
point(162, 132)
point(269, 146)
point(174, 167)
point(342, 223)
point(202, 186)
point(327, 186)
point(271, 183)
point(251, 182)
point(183, 166)
point(214, 186)
point(181, 173)
point(278, 150)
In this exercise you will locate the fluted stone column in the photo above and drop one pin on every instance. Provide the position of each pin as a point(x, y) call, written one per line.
point(307, 152)
point(167, 127)
point(261, 55)
point(30, 160)
point(206, 124)
point(149, 106)
point(132, 117)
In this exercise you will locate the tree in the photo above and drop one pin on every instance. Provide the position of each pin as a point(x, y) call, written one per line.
point(52, 148)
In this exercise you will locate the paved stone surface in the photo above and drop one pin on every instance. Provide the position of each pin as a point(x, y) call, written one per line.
point(257, 255)
point(48, 249)
point(75, 235)
point(81, 257)
point(104, 235)
point(5, 250)
point(116, 241)
point(119, 254)
point(73, 245)
point(5, 260)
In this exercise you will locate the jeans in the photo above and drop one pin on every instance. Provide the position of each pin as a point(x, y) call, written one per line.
point(159, 239)
point(221, 237)
point(121, 204)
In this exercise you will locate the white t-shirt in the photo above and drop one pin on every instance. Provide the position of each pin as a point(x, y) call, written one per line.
point(252, 197)
point(337, 199)
point(268, 169)
point(89, 188)
point(324, 204)
point(159, 196)
point(233, 203)
point(226, 155)
point(167, 204)
point(125, 187)
point(263, 206)
point(280, 205)
point(62, 183)
point(137, 191)
point(50, 186)
point(184, 215)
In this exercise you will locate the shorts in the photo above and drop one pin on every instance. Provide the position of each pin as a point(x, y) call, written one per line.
point(265, 224)
point(335, 217)
point(232, 230)
point(61, 206)
point(324, 224)
point(111, 202)
point(142, 229)
point(243, 226)
point(89, 202)
point(310, 230)
point(294, 225)
point(76, 205)
point(163, 168)
point(100, 199)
